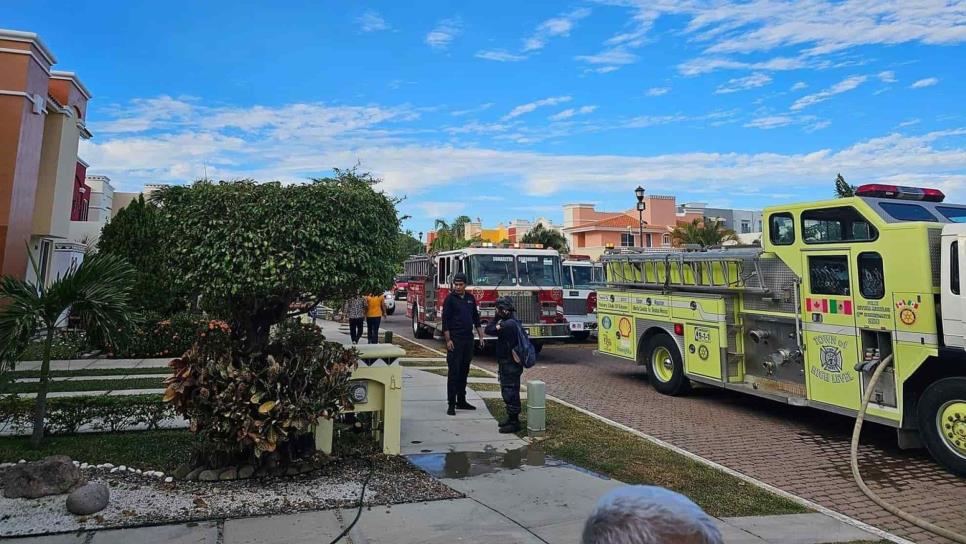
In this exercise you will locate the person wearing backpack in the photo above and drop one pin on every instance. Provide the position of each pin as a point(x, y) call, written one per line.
point(508, 332)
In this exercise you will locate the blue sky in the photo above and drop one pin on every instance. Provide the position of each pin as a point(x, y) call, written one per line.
point(508, 110)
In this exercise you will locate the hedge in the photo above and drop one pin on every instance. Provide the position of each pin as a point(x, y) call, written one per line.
point(102, 413)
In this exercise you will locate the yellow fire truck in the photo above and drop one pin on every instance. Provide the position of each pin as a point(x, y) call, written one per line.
point(835, 287)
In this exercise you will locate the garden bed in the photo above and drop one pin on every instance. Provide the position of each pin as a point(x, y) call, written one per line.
point(416, 350)
point(143, 500)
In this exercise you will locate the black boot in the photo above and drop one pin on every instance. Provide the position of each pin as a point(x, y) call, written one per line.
point(512, 425)
point(451, 411)
point(461, 404)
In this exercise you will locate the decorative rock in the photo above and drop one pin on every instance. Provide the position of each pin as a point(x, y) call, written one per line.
point(229, 474)
point(137, 471)
point(108, 465)
point(83, 465)
point(76, 463)
point(122, 467)
point(194, 474)
point(208, 475)
point(22, 461)
point(168, 480)
point(52, 476)
point(113, 470)
point(182, 471)
point(88, 499)
point(245, 472)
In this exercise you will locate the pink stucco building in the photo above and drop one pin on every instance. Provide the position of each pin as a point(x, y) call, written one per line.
point(590, 232)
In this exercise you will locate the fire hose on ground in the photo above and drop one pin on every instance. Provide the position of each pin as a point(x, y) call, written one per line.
point(854, 455)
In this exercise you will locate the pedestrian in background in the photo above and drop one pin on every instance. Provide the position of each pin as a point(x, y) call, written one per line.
point(354, 311)
point(507, 333)
point(375, 311)
point(642, 514)
point(460, 316)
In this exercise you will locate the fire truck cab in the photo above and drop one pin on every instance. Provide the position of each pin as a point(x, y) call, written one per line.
point(835, 288)
point(530, 277)
point(581, 276)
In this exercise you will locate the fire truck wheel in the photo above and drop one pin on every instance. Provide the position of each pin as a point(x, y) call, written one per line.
point(665, 370)
point(419, 331)
point(942, 423)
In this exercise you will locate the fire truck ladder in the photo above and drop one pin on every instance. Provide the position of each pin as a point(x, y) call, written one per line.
point(713, 271)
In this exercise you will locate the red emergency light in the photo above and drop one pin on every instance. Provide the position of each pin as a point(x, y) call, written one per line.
point(878, 190)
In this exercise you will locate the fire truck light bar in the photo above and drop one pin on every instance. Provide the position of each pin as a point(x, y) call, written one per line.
point(878, 190)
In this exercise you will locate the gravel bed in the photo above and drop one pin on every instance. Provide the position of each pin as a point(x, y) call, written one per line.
point(141, 500)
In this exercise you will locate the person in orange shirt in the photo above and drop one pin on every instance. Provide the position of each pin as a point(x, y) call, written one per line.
point(375, 310)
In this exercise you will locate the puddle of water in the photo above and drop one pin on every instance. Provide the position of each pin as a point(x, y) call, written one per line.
point(466, 464)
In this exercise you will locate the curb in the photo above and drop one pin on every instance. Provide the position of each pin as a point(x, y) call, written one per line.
point(420, 344)
point(695, 457)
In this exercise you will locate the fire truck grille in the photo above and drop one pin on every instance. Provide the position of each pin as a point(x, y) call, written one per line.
point(575, 306)
point(527, 306)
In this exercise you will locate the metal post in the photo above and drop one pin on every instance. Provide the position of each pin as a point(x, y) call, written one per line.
point(639, 193)
point(536, 408)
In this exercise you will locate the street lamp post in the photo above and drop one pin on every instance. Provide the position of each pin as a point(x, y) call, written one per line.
point(421, 241)
point(639, 192)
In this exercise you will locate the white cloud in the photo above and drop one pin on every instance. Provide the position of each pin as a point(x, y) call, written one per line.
point(527, 108)
point(710, 64)
point(815, 28)
point(908, 123)
point(499, 55)
point(377, 137)
point(922, 83)
point(557, 26)
point(571, 112)
point(845, 85)
point(477, 109)
point(612, 56)
point(444, 33)
point(658, 91)
point(371, 21)
point(799, 86)
point(887, 76)
point(440, 209)
point(771, 121)
point(744, 83)
point(603, 69)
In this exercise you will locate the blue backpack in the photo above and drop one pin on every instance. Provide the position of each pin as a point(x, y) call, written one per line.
point(524, 353)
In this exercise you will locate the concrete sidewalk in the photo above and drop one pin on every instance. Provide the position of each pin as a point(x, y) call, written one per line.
point(514, 494)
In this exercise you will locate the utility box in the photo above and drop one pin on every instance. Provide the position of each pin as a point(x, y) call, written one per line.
point(536, 408)
point(374, 386)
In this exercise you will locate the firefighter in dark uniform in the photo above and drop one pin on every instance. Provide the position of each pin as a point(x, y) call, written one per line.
point(507, 331)
point(460, 317)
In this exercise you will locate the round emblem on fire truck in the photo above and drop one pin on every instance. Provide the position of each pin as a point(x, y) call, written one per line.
point(703, 353)
point(907, 316)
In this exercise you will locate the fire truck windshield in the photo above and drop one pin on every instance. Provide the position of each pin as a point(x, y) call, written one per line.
point(539, 270)
point(583, 277)
point(492, 270)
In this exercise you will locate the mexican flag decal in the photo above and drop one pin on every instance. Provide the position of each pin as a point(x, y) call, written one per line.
point(828, 306)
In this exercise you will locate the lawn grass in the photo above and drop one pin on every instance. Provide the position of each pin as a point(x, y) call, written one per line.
point(413, 349)
point(474, 373)
point(441, 364)
point(15, 374)
point(85, 385)
point(152, 450)
point(484, 386)
point(587, 442)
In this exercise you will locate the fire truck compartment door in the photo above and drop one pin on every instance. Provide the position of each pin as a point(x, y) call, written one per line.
point(828, 317)
point(702, 352)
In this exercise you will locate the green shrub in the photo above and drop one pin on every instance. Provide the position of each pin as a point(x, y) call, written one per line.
point(158, 336)
point(246, 404)
point(66, 415)
point(68, 344)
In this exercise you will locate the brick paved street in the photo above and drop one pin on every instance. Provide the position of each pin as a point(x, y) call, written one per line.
point(803, 451)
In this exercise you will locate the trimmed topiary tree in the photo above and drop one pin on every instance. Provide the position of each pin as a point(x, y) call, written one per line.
point(260, 254)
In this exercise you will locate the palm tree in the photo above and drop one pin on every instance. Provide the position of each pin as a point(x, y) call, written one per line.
point(548, 238)
point(704, 232)
point(842, 188)
point(97, 293)
point(450, 235)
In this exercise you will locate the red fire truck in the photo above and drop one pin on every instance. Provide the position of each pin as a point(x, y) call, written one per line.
point(530, 276)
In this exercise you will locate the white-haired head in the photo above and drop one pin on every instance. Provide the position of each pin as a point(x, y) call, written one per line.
point(639, 514)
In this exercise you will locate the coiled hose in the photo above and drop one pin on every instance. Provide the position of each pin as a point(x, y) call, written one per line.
point(854, 455)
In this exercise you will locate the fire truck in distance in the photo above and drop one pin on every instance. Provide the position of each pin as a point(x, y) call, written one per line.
point(837, 288)
point(531, 277)
point(580, 279)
